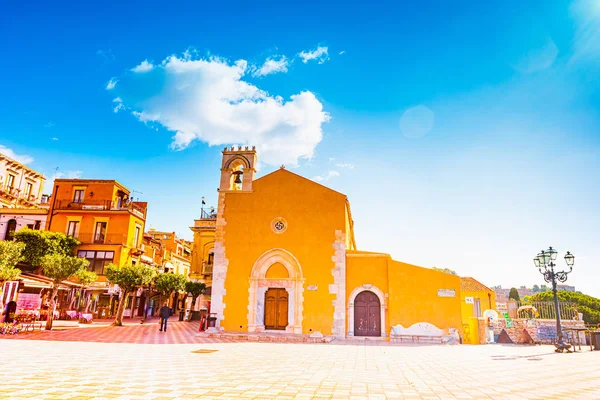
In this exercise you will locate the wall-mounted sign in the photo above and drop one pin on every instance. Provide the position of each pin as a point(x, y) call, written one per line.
point(29, 301)
point(469, 300)
point(312, 287)
point(446, 293)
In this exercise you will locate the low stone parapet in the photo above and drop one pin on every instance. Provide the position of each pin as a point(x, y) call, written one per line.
point(538, 331)
point(267, 337)
point(423, 333)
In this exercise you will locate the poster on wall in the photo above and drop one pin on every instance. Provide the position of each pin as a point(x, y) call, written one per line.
point(469, 300)
point(29, 301)
point(446, 293)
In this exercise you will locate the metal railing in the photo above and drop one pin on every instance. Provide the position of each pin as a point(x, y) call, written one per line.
point(208, 214)
point(207, 269)
point(100, 205)
point(9, 191)
point(99, 238)
point(545, 310)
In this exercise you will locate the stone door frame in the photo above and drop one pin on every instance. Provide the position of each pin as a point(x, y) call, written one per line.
point(382, 303)
point(259, 285)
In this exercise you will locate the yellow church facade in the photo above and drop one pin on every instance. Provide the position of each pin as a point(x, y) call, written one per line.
point(284, 258)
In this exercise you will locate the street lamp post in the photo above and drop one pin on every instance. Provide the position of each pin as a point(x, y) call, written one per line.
point(544, 261)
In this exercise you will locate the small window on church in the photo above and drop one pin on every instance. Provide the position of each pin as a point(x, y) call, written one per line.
point(279, 225)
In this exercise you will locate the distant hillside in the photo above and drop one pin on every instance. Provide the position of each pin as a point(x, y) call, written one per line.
point(588, 305)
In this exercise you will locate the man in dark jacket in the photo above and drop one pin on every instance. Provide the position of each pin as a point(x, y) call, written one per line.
point(164, 313)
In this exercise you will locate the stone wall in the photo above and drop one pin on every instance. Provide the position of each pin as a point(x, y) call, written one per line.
point(542, 331)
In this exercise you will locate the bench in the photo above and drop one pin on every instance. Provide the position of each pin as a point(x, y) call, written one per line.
point(30, 325)
point(423, 333)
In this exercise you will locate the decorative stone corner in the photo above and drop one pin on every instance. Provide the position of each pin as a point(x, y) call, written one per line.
point(220, 264)
point(338, 288)
point(316, 334)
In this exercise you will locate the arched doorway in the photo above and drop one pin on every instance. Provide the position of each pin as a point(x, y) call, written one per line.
point(11, 227)
point(275, 298)
point(367, 315)
point(367, 311)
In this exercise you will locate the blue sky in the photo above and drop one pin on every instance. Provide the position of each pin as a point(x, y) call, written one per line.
point(466, 136)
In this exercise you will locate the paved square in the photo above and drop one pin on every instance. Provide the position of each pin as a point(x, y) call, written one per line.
point(156, 368)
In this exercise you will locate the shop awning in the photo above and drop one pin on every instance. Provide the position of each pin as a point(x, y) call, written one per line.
point(43, 282)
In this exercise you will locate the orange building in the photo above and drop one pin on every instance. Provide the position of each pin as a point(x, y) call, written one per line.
point(103, 217)
point(177, 252)
point(283, 257)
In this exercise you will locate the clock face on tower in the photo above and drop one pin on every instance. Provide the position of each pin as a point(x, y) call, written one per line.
point(279, 225)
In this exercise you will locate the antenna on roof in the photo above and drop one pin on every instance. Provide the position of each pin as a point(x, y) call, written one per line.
point(136, 191)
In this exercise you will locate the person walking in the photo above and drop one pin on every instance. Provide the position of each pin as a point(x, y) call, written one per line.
point(164, 314)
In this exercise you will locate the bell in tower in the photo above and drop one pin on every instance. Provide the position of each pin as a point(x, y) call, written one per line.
point(238, 168)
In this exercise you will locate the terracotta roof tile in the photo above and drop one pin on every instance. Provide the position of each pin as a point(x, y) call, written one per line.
point(468, 284)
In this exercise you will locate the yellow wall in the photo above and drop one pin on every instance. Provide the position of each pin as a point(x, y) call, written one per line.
point(414, 297)
point(469, 319)
point(313, 214)
point(412, 291)
point(364, 268)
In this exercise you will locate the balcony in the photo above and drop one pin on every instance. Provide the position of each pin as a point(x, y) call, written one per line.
point(101, 205)
point(207, 269)
point(99, 238)
point(10, 193)
point(208, 219)
point(208, 214)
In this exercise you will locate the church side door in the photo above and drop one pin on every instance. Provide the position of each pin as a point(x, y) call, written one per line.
point(276, 309)
point(367, 315)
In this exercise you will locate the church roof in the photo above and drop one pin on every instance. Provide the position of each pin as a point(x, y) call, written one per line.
point(468, 284)
point(285, 171)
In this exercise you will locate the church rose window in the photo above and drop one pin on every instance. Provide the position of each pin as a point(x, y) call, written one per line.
point(279, 225)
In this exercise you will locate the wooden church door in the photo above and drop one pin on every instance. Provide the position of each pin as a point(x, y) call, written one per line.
point(276, 309)
point(367, 314)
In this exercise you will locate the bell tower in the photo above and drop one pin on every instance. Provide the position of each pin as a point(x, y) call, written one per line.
point(238, 169)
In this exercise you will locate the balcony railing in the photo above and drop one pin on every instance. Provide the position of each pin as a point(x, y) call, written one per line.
point(9, 192)
point(100, 205)
point(99, 238)
point(208, 214)
point(207, 269)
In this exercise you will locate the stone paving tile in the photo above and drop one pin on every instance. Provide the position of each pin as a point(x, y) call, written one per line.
point(137, 361)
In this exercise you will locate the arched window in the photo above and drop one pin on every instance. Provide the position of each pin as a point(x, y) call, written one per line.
point(11, 227)
point(237, 176)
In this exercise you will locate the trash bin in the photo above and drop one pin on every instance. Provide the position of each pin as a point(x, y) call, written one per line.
point(212, 320)
point(181, 315)
point(595, 339)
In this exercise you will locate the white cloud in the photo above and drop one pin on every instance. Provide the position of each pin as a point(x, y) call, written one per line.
point(107, 55)
point(111, 84)
point(68, 174)
point(320, 54)
point(119, 105)
point(22, 158)
point(331, 159)
point(208, 100)
point(54, 139)
point(330, 174)
point(144, 66)
point(345, 165)
point(538, 59)
point(272, 66)
point(342, 52)
point(49, 125)
point(417, 121)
